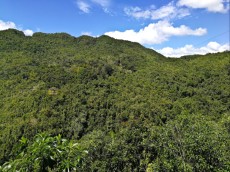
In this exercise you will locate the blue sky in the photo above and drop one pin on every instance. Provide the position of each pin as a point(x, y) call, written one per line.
point(173, 28)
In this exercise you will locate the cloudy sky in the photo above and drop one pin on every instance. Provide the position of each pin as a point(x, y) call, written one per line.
point(173, 28)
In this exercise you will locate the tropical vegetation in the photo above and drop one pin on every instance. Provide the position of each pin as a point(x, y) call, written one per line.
point(100, 104)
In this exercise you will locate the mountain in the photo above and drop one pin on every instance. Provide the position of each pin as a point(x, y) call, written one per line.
point(129, 106)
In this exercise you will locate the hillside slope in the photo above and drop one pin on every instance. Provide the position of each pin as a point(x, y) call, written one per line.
point(130, 107)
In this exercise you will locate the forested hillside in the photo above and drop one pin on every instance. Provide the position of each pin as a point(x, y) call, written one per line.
point(131, 108)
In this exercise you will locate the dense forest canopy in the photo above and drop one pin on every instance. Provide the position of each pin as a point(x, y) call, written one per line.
point(131, 108)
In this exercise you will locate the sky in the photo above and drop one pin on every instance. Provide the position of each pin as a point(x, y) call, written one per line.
point(172, 27)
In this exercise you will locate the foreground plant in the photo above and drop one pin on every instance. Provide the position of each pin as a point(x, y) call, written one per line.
point(45, 153)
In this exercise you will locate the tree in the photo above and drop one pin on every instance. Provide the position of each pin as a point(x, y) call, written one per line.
point(45, 153)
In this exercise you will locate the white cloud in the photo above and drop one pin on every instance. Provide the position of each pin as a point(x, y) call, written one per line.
point(211, 47)
point(137, 12)
point(12, 25)
point(156, 33)
point(86, 33)
point(7, 25)
point(86, 5)
point(211, 5)
point(165, 12)
point(103, 3)
point(28, 32)
point(83, 6)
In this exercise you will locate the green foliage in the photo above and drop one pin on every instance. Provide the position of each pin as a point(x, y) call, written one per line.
point(45, 154)
point(191, 143)
point(130, 107)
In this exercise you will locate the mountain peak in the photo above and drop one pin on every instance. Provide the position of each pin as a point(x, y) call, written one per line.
point(12, 32)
